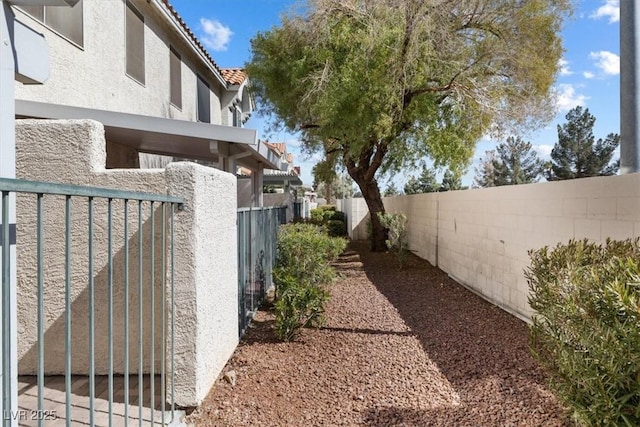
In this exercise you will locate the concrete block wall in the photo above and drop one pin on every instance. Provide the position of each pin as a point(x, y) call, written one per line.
point(357, 214)
point(481, 237)
point(206, 317)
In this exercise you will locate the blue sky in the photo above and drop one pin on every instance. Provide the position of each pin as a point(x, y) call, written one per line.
point(590, 68)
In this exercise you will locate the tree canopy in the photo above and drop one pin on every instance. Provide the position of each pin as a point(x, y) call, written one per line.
point(577, 154)
point(384, 83)
point(514, 163)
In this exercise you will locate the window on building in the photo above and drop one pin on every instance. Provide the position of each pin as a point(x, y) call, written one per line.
point(175, 76)
point(67, 21)
point(204, 101)
point(237, 117)
point(134, 27)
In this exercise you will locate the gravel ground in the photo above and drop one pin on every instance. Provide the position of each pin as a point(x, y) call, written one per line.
point(404, 347)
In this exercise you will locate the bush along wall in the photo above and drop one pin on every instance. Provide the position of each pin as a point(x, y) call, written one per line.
point(330, 218)
point(586, 332)
point(302, 275)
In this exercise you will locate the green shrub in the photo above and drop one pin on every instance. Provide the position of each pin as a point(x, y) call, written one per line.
point(396, 224)
point(301, 274)
point(586, 332)
point(336, 228)
point(327, 216)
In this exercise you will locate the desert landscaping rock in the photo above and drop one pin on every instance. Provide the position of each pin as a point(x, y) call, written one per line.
point(401, 347)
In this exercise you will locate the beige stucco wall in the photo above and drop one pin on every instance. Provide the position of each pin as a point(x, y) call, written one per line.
point(94, 76)
point(205, 259)
point(481, 237)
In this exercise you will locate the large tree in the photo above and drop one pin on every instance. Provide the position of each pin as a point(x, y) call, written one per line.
point(577, 154)
point(383, 83)
point(515, 163)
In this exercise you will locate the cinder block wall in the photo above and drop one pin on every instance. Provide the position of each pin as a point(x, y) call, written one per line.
point(206, 318)
point(481, 237)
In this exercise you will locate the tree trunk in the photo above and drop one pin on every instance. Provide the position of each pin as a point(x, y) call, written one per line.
point(372, 197)
point(379, 234)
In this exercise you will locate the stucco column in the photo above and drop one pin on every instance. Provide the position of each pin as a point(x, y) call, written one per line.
point(206, 277)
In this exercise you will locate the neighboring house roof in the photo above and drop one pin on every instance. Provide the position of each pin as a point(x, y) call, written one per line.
point(280, 147)
point(234, 76)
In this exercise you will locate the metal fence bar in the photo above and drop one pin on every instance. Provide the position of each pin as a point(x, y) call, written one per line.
point(40, 297)
point(6, 310)
point(92, 366)
point(126, 311)
point(153, 318)
point(67, 306)
point(23, 186)
point(163, 385)
point(173, 316)
point(140, 319)
point(110, 299)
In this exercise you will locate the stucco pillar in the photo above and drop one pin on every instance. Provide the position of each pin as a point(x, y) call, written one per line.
point(206, 277)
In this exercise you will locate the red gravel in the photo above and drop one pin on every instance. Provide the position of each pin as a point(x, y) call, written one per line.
point(401, 347)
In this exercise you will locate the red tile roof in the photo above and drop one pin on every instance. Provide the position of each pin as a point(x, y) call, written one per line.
point(234, 76)
point(280, 147)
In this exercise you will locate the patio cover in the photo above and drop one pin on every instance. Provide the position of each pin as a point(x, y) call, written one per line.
point(169, 137)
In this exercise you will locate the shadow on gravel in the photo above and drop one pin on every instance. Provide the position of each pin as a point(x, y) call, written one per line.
point(367, 331)
point(482, 350)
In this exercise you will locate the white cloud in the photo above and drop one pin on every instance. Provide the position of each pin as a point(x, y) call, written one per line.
point(610, 9)
point(564, 67)
point(588, 75)
point(216, 36)
point(567, 98)
point(608, 62)
point(544, 150)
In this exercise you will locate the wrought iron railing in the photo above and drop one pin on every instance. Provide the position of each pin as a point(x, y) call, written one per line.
point(257, 241)
point(72, 208)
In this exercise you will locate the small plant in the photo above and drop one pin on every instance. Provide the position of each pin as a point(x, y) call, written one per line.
point(586, 331)
point(302, 274)
point(396, 224)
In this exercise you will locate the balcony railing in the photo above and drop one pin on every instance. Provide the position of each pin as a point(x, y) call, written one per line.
point(98, 269)
point(257, 240)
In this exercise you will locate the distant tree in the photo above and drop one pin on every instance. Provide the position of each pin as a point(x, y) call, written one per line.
point(451, 181)
point(577, 154)
point(486, 173)
point(391, 190)
point(515, 163)
point(424, 183)
point(324, 175)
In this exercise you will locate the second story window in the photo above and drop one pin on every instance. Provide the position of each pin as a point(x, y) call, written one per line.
point(66, 21)
point(237, 116)
point(204, 101)
point(175, 77)
point(134, 27)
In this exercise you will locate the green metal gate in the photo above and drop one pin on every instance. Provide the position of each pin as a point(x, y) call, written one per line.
point(137, 212)
point(257, 241)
